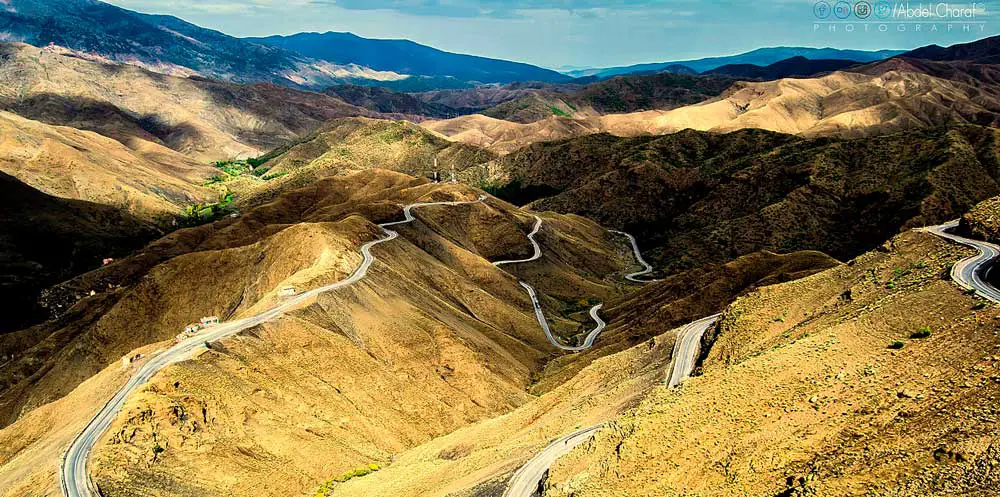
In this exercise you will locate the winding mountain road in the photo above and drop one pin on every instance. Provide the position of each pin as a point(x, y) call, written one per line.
point(646, 268)
point(527, 479)
point(73, 476)
point(592, 335)
point(972, 273)
point(534, 243)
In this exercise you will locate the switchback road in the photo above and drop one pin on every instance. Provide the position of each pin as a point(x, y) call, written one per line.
point(591, 336)
point(526, 480)
point(646, 268)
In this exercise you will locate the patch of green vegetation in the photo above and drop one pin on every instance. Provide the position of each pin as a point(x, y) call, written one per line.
point(158, 449)
point(581, 305)
point(559, 112)
point(198, 214)
point(980, 306)
point(971, 291)
point(923, 332)
point(235, 168)
point(269, 177)
point(326, 489)
point(214, 180)
point(897, 345)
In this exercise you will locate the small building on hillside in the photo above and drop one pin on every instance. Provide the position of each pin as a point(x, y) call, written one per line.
point(192, 328)
point(287, 291)
point(210, 321)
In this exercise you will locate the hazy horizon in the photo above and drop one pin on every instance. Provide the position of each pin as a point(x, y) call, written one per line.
point(582, 33)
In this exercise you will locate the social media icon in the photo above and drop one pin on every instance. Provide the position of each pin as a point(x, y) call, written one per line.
point(842, 10)
point(822, 10)
point(862, 10)
point(882, 9)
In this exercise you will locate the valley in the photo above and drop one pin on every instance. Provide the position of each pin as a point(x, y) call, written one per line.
point(326, 264)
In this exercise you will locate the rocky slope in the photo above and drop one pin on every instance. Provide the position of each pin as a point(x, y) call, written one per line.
point(803, 395)
point(983, 221)
point(693, 198)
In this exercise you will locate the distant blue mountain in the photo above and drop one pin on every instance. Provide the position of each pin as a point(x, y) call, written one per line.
point(795, 67)
point(407, 57)
point(759, 57)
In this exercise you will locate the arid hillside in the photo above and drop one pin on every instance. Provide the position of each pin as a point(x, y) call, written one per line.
point(149, 181)
point(434, 338)
point(350, 145)
point(202, 119)
point(840, 104)
point(898, 94)
point(45, 240)
point(874, 378)
point(693, 198)
point(503, 137)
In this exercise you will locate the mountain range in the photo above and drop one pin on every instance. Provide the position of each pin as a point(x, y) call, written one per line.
point(758, 57)
point(407, 57)
point(90, 28)
point(234, 268)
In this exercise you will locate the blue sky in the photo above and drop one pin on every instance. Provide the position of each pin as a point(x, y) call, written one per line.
point(599, 33)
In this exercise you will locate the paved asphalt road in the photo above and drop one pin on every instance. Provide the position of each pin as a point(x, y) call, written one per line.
point(686, 349)
point(646, 268)
point(591, 336)
point(525, 481)
point(534, 243)
point(972, 273)
point(73, 477)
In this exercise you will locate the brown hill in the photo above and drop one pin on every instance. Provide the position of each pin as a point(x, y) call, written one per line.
point(356, 144)
point(503, 137)
point(148, 180)
point(801, 394)
point(435, 337)
point(885, 97)
point(694, 197)
point(45, 240)
point(203, 119)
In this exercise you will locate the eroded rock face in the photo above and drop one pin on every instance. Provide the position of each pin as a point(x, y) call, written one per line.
point(983, 221)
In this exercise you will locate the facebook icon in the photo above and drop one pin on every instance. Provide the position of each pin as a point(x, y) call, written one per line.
point(822, 10)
